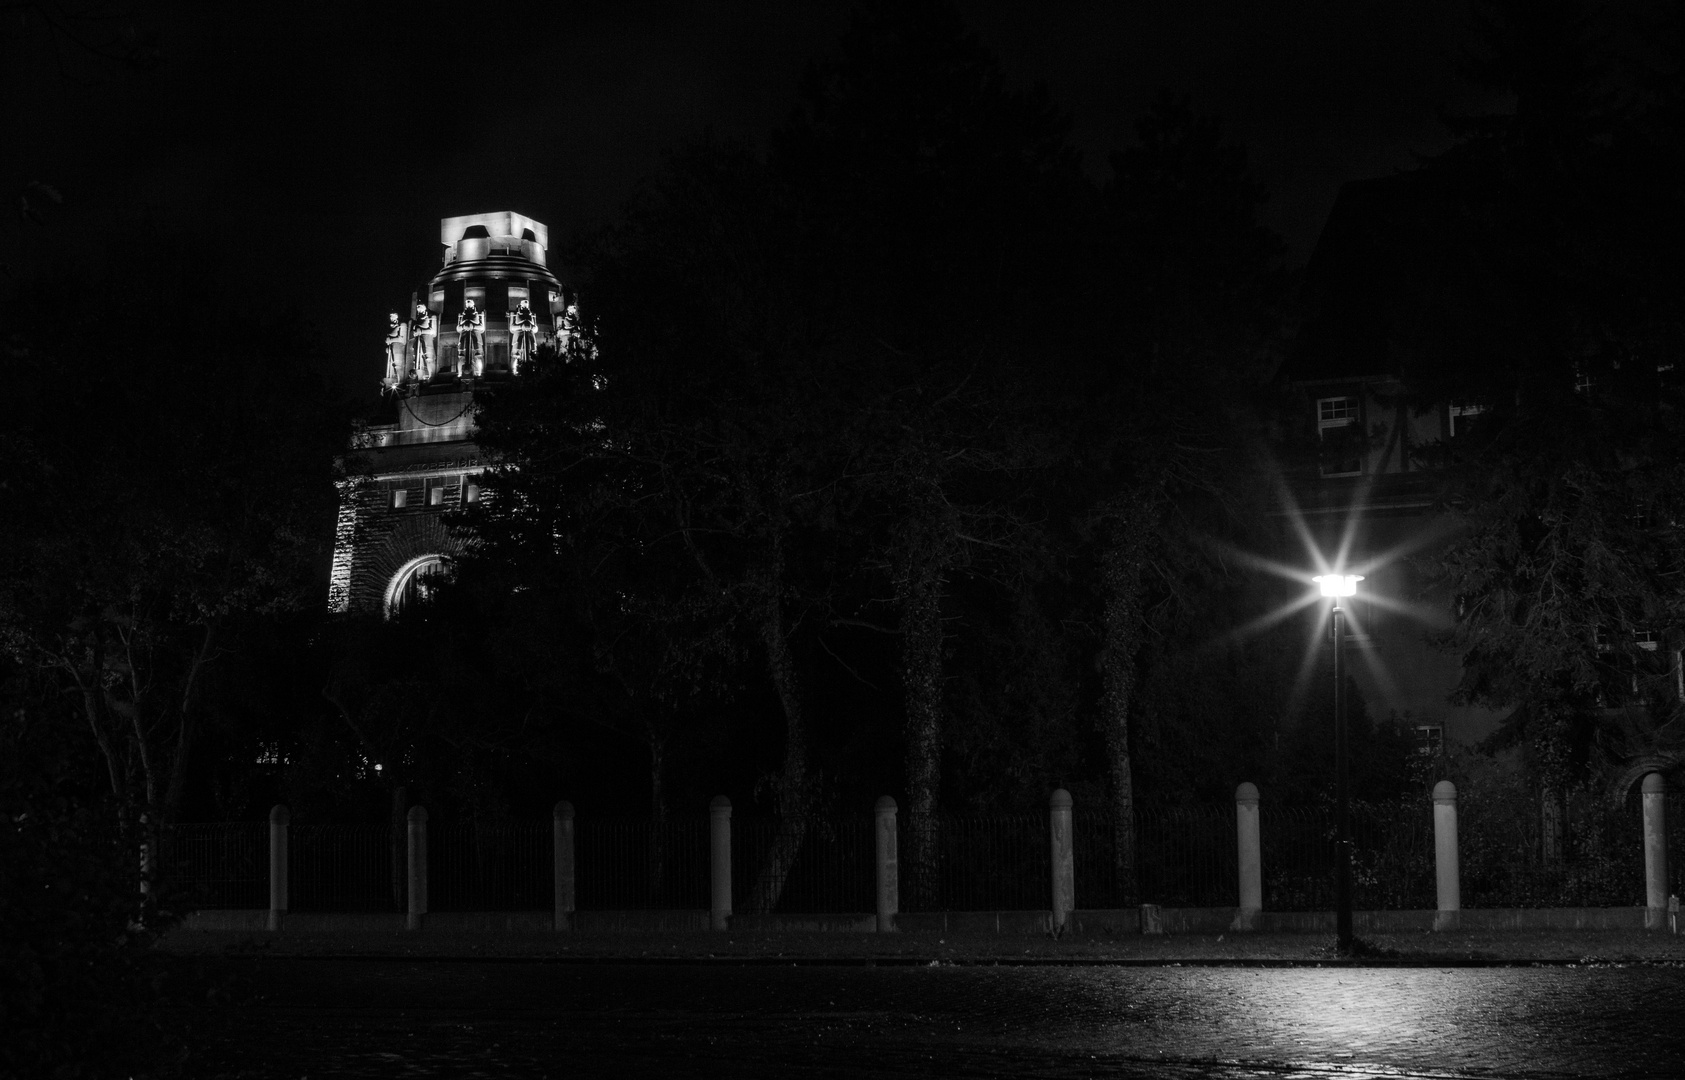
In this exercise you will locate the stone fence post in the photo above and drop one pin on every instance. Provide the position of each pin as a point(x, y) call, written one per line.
point(719, 862)
point(1064, 863)
point(889, 881)
point(418, 867)
point(561, 839)
point(1249, 857)
point(1447, 869)
point(1655, 852)
point(278, 818)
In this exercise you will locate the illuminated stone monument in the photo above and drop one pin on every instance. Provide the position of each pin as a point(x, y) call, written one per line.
point(494, 302)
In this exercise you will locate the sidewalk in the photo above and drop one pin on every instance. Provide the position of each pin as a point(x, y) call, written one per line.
point(1413, 949)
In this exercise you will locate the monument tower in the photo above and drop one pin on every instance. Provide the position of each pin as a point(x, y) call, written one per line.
point(492, 303)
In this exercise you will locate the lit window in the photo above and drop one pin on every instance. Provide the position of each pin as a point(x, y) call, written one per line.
point(435, 495)
point(1645, 639)
point(400, 498)
point(1583, 382)
point(471, 491)
point(1430, 739)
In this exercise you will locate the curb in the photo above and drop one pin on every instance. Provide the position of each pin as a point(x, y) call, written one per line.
point(931, 961)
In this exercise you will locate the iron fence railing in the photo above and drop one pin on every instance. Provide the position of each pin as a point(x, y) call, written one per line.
point(1184, 857)
point(219, 865)
point(1392, 857)
point(1594, 859)
point(826, 865)
point(346, 868)
point(995, 862)
point(503, 866)
point(633, 863)
point(1180, 857)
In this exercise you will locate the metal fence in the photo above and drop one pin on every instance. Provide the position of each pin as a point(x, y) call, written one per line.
point(345, 868)
point(222, 865)
point(995, 862)
point(1392, 857)
point(829, 865)
point(1595, 860)
point(633, 863)
point(506, 866)
point(1182, 857)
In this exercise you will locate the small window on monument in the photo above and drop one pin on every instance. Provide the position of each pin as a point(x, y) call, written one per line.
point(400, 498)
point(471, 492)
point(435, 496)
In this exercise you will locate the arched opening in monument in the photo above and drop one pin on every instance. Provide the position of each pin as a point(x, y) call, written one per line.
point(415, 582)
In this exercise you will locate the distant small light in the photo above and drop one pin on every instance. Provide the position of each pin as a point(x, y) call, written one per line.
point(377, 767)
point(1338, 584)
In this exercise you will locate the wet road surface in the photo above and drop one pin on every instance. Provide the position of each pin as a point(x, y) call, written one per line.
point(330, 1018)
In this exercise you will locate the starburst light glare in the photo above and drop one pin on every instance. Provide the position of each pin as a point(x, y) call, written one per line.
point(1338, 584)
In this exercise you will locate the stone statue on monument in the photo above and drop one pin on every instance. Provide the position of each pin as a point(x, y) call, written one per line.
point(424, 334)
point(470, 340)
point(523, 327)
point(395, 332)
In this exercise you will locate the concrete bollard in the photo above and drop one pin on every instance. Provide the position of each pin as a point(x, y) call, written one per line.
point(1447, 869)
point(561, 839)
point(1064, 862)
point(1249, 857)
point(889, 880)
point(1655, 852)
point(719, 862)
point(278, 818)
point(418, 867)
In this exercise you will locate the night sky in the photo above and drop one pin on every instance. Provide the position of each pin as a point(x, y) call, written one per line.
point(312, 151)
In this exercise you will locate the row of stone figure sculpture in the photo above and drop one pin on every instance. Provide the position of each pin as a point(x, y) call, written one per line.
point(412, 347)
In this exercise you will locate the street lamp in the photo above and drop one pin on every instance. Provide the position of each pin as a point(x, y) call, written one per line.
point(1335, 586)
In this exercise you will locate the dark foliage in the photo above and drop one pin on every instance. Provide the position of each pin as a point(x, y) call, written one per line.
point(1559, 316)
point(78, 994)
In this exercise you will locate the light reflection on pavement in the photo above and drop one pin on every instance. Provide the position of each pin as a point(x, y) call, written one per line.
point(401, 1018)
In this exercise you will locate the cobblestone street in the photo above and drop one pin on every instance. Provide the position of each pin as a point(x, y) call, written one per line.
point(333, 1018)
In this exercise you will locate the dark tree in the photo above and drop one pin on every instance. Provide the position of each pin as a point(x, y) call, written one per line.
point(1560, 317)
point(168, 490)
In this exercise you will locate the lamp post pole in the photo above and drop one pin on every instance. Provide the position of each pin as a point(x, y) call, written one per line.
point(1336, 587)
point(1342, 793)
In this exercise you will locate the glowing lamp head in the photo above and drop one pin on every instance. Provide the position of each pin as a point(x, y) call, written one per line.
point(1338, 584)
